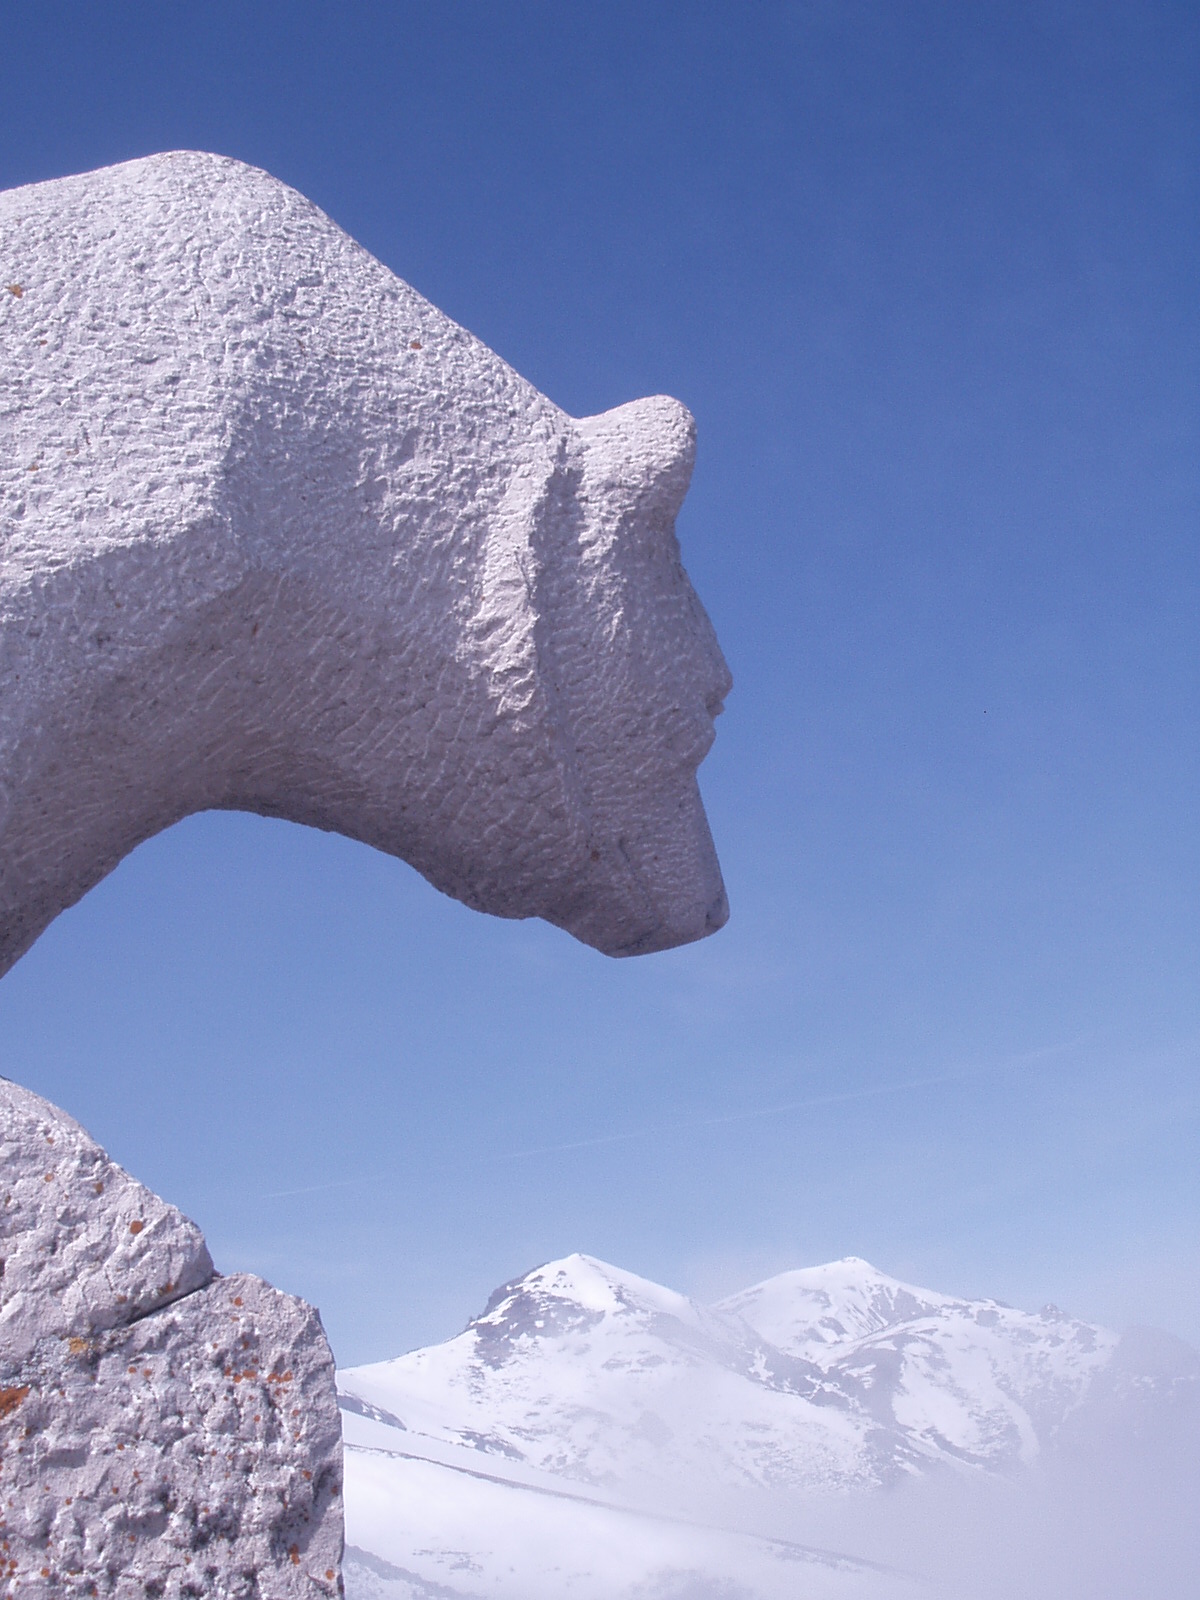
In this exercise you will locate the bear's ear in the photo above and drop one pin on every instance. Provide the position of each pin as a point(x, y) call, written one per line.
point(642, 453)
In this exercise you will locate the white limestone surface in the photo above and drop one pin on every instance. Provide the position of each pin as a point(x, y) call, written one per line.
point(277, 535)
point(164, 1432)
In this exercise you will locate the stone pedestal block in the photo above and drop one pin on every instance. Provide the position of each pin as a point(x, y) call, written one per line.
point(164, 1431)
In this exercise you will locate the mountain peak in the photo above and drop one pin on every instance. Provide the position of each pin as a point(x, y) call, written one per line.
point(813, 1311)
point(596, 1288)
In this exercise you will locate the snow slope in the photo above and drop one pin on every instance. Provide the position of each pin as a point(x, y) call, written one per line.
point(419, 1529)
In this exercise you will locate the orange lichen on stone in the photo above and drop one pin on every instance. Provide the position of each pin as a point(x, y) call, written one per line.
point(10, 1399)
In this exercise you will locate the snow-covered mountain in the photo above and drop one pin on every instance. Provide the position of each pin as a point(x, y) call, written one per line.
point(972, 1380)
point(837, 1377)
point(584, 1394)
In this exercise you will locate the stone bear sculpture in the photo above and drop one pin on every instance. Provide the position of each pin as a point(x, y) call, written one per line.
point(277, 535)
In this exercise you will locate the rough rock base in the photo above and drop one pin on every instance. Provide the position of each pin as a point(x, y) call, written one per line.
point(164, 1432)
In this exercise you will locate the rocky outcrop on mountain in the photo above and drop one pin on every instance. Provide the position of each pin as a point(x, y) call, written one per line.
point(164, 1431)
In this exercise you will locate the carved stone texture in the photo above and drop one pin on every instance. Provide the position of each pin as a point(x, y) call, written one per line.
point(163, 1431)
point(277, 535)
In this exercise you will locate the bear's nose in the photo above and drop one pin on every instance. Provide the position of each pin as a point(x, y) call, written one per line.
point(717, 914)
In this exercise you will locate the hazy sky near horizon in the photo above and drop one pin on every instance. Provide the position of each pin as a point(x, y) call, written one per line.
point(926, 274)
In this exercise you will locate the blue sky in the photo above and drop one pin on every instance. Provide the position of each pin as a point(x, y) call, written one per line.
point(926, 274)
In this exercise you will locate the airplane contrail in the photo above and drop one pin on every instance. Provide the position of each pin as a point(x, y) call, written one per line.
point(811, 1102)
